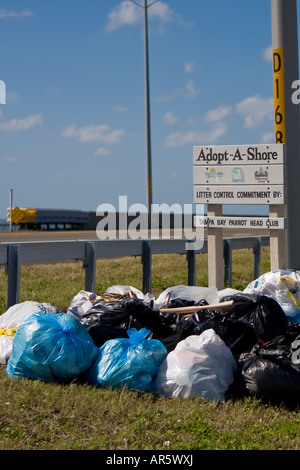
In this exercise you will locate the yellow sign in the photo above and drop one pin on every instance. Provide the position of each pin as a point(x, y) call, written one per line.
point(279, 102)
point(21, 215)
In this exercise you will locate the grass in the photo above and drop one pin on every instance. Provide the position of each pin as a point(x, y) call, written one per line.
point(37, 416)
point(52, 416)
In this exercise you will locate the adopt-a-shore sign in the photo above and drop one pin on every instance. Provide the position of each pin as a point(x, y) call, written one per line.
point(245, 174)
point(239, 174)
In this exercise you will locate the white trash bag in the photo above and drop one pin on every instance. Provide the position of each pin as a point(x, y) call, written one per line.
point(227, 291)
point(190, 293)
point(12, 318)
point(200, 365)
point(131, 291)
point(125, 290)
point(82, 303)
point(283, 286)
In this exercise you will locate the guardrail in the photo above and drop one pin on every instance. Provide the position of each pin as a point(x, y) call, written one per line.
point(13, 255)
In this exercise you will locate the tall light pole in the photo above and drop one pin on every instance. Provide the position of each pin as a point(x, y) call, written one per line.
point(147, 95)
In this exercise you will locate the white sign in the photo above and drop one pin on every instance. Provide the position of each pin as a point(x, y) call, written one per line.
point(240, 222)
point(239, 174)
point(246, 194)
point(239, 154)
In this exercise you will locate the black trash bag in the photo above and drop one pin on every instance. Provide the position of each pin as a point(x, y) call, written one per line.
point(107, 320)
point(264, 313)
point(270, 372)
point(174, 329)
point(169, 328)
point(238, 335)
point(176, 303)
point(101, 330)
point(293, 331)
point(110, 320)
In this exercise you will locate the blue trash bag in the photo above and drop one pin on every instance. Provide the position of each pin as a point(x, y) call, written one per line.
point(51, 348)
point(132, 362)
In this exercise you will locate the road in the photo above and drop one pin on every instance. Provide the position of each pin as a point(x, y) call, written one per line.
point(32, 236)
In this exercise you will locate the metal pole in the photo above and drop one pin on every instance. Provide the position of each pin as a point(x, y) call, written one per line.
point(191, 260)
point(11, 208)
point(147, 266)
point(13, 275)
point(285, 42)
point(90, 267)
point(148, 127)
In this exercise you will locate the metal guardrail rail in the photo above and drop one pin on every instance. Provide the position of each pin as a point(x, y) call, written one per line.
point(13, 255)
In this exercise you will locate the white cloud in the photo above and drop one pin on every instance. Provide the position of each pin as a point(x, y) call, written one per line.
point(128, 13)
point(255, 110)
point(169, 118)
point(92, 133)
point(4, 14)
point(196, 137)
point(102, 152)
point(189, 67)
point(162, 11)
point(120, 109)
point(190, 121)
point(168, 96)
point(190, 91)
point(124, 14)
point(16, 125)
point(267, 138)
point(11, 159)
point(217, 114)
point(268, 54)
point(61, 174)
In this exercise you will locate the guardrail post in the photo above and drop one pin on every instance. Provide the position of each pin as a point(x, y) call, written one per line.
point(228, 262)
point(13, 275)
point(191, 260)
point(257, 251)
point(147, 266)
point(90, 267)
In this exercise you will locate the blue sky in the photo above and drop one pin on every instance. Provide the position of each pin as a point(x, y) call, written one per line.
point(72, 131)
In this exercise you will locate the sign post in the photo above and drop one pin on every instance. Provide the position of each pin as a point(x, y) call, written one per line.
point(245, 174)
point(284, 245)
point(215, 250)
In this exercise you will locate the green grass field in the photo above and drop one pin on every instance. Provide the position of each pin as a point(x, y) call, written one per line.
point(51, 416)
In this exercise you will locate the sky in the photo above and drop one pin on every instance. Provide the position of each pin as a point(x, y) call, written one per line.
point(73, 127)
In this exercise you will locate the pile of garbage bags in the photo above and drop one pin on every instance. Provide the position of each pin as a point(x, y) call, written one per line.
point(190, 341)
